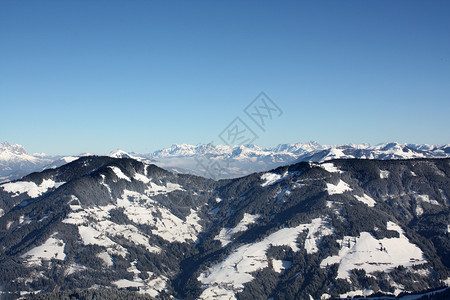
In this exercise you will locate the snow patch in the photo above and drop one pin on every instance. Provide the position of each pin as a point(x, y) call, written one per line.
point(330, 167)
point(141, 177)
point(366, 200)
point(351, 294)
point(426, 198)
point(235, 270)
point(280, 266)
point(98, 232)
point(366, 252)
point(106, 258)
point(73, 268)
point(119, 173)
point(155, 189)
point(226, 234)
point(104, 184)
point(339, 188)
point(69, 159)
point(271, 178)
point(152, 286)
point(52, 248)
point(143, 210)
point(447, 281)
point(384, 174)
point(217, 292)
point(32, 189)
point(419, 210)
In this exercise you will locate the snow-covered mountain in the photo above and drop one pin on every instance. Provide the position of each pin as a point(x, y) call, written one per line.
point(334, 229)
point(220, 162)
point(223, 162)
point(15, 162)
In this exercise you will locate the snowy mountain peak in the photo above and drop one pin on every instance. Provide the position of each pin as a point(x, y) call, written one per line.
point(13, 149)
point(297, 147)
point(119, 154)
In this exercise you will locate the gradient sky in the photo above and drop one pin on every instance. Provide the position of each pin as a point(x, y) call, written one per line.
point(95, 76)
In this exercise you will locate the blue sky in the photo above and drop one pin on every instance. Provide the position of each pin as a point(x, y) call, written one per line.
point(94, 76)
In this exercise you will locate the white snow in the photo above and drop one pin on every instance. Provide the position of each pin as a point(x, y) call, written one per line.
point(419, 210)
point(155, 189)
point(104, 184)
point(366, 252)
point(339, 188)
point(226, 234)
point(8, 225)
point(366, 200)
point(74, 267)
point(69, 159)
point(285, 191)
point(152, 286)
point(218, 293)
point(172, 229)
point(92, 236)
point(141, 177)
point(2, 212)
point(119, 173)
point(106, 258)
point(447, 281)
point(235, 270)
point(384, 174)
point(98, 232)
point(143, 210)
point(316, 230)
point(330, 167)
point(426, 198)
point(124, 283)
point(280, 266)
point(52, 248)
point(351, 294)
point(24, 220)
point(270, 178)
point(32, 189)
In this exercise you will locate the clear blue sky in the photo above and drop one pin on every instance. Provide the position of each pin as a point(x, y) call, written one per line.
point(95, 76)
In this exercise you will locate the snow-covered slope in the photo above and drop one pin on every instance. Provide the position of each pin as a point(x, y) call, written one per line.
point(308, 230)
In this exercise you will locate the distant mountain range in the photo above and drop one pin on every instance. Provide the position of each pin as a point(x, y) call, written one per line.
point(223, 162)
point(15, 162)
point(310, 230)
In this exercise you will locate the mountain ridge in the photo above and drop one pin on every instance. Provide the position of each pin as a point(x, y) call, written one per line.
point(291, 231)
point(221, 162)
